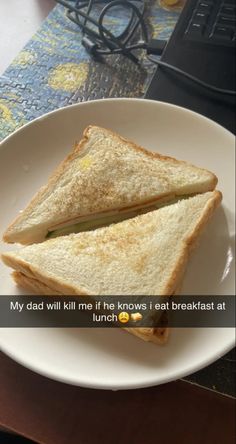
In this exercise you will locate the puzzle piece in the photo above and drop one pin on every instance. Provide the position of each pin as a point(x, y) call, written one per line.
point(54, 69)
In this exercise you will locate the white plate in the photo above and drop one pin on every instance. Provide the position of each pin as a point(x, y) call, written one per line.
point(114, 359)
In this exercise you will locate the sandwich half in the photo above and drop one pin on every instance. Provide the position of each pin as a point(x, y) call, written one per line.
point(105, 179)
point(145, 255)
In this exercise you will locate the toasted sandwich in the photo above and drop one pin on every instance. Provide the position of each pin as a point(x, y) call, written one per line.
point(145, 255)
point(105, 179)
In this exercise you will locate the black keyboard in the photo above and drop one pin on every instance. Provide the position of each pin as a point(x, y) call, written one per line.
point(195, 53)
point(213, 21)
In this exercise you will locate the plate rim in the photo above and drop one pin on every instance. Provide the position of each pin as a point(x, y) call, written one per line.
point(118, 99)
point(124, 386)
point(152, 381)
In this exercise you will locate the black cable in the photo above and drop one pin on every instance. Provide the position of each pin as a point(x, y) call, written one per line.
point(130, 31)
point(98, 40)
point(191, 77)
point(89, 7)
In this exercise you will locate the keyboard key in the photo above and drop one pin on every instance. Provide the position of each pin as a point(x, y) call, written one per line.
point(229, 10)
point(196, 29)
point(213, 21)
point(204, 7)
point(221, 32)
point(227, 21)
point(200, 17)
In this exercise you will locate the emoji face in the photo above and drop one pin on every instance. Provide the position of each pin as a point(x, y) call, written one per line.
point(123, 317)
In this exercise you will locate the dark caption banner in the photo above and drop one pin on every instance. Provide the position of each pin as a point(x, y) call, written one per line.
point(117, 311)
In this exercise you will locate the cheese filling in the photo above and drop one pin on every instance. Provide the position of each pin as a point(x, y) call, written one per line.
point(107, 219)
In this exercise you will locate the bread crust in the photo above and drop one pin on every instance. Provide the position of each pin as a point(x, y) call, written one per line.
point(33, 285)
point(191, 242)
point(10, 233)
point(51, 181)
point(157, 335)
point(155, 155)
point(30, 278)
point(31, 272)
point(61, 286)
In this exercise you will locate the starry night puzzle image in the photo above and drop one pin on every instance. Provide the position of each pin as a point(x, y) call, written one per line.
point(54, 70)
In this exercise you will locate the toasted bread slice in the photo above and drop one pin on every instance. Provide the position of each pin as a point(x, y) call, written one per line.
point(157, 335)
point(145, 255)
point(105, 175)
